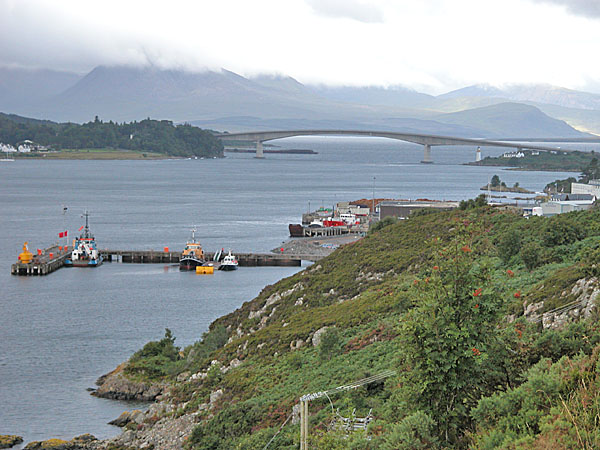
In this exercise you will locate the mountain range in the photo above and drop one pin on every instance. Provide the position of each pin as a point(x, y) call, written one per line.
point(223, 100)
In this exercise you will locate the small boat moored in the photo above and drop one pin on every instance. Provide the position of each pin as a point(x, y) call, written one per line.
point(85, 253)
point(229, 262)
point(192, 255)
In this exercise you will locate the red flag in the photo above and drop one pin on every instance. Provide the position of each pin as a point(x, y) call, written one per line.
point(80, 228)
point(61, 234)
point(66, 233)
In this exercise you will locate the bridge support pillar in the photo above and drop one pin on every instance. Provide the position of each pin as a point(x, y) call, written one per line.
point(427, 154)
point(259, 150)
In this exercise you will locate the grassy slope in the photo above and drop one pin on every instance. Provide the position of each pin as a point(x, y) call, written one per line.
point(571, 162)
point(364, 290)
point(95, 153)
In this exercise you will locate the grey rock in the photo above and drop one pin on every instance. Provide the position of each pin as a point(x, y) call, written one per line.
point(316, 339)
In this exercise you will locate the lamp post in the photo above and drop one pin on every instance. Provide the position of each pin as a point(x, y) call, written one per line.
point(373, 216)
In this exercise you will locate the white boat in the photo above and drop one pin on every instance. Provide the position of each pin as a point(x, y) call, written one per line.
point(229, 262)
point(85, 252)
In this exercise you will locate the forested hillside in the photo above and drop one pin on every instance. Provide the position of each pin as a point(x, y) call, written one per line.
point(147, 135)
point(488, 319)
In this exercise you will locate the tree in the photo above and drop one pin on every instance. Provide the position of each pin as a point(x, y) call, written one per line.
point(495, 181)
point(445, 339)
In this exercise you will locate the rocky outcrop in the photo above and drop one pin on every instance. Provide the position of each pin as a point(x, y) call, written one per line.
point(127, 417)
point(116, 386)
point(9, 440)
point(156, 428)
point(168, 433)
point(83, 442)
point(585, 292)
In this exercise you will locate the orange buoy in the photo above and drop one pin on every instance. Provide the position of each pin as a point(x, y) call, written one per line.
point(25, 256)
point(166, 249)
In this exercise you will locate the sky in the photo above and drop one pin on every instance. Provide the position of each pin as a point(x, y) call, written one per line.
point(432, 46)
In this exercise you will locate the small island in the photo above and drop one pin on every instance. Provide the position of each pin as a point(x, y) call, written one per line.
point(551, 161)
point(497, 185)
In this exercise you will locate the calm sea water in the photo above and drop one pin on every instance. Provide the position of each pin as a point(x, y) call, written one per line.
point(60, 332)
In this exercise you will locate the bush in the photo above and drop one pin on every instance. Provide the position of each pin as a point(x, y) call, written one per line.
point(330, 344)
point(386, 222)
point(509, 245)
point(531, 254)
point(156, 359)
point(414, 432)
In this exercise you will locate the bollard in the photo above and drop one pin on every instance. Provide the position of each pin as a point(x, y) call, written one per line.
point(51, 255)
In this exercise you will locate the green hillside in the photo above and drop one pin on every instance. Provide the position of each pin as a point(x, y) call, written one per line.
point(144, 136)
point(447, 300)
point(558, 161)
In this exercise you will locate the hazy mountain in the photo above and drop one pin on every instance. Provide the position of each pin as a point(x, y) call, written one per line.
point(402, 125)
point(511, 120)
point(227, 101)
point(19, 87)
point(129, 93)
point(396, 96)
point(537, 93)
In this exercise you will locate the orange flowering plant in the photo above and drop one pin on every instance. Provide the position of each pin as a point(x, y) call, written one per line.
point(446, 335)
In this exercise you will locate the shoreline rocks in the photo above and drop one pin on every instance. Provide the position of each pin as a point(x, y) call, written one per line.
point(83, 442)
point(10, 440)
point(114, 385)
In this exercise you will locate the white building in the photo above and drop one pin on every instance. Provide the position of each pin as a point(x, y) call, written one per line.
point(564, 203)
point(7, 148)
point(513, 155)
point(593, 188)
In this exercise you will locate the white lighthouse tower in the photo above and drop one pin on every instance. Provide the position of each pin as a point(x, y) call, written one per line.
point(478, 154)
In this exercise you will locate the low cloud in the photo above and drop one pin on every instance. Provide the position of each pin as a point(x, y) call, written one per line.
point(586, 8)
point(348, 9)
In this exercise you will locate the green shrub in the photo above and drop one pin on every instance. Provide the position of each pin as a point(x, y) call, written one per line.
point(531, 254)
point(386, 222)
point(330, 344)
point(156, 359)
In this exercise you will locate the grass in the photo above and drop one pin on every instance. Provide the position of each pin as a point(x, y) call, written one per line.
point(365, 290)
point(96, 154)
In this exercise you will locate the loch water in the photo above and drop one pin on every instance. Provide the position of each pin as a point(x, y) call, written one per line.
point(58, 333)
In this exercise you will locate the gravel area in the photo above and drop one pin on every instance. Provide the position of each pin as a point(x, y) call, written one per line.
point(319, 247)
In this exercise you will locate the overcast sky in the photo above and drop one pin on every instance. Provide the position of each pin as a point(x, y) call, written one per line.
point(429, 45)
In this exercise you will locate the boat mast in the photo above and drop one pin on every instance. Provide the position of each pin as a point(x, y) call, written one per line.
point(86, 230)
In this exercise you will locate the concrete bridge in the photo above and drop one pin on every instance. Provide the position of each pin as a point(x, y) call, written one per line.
point(426, 140)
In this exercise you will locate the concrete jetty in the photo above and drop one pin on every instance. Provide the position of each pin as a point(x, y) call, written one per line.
point(51, 259)
point(244, 259)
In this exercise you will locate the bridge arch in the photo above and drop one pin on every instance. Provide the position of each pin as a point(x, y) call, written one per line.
point(426, 140)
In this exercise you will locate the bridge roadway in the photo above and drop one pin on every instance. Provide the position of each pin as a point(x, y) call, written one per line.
point(426, 140)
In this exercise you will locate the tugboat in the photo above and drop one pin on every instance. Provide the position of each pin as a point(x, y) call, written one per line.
point(229, 262)
point(192, 255)
point(85, 253)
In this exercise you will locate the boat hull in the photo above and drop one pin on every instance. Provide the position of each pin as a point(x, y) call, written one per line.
point(188, 264)
point(228, 267)
point(296, 230)
point(82, 263)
